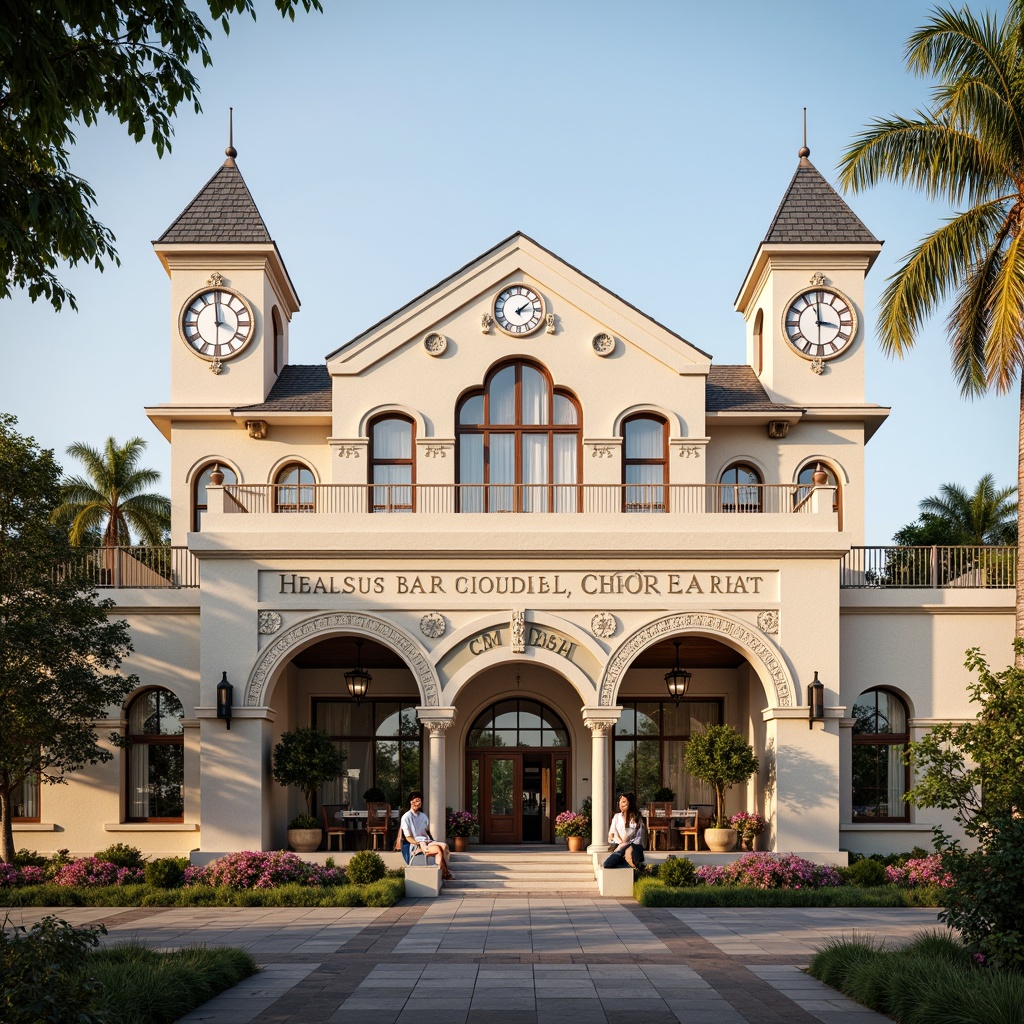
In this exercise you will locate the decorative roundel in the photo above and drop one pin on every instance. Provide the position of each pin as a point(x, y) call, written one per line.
point(518, 309)
point(820, 323)
point(604, 344)
point(603, 624)
point(217, 323)
point(435, 343)
point(432, 625)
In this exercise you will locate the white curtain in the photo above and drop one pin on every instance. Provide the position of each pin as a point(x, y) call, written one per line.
point(471, 471)
point(138, 782)
point(503, 396)
point(895, 768)
point(645, 439)
point(535, 396)
point(696, 792)
point(392, 439)
point(502, 470)
point(535, 472)
point(564, 473)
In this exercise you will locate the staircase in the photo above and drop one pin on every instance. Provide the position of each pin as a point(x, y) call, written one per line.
point(520, 871)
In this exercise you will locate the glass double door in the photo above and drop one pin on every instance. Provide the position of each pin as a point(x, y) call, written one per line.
point(519, 794)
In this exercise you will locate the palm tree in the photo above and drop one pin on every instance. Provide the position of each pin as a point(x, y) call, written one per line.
point(988, 516)
point(967, 148)
point(110, 501)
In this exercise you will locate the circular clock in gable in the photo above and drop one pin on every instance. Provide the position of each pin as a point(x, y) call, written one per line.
point(217, 323)
point(518, 309)
point(820, 323)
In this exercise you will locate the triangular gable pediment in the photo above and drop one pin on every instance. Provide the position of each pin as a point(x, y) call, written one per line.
point(454, 308)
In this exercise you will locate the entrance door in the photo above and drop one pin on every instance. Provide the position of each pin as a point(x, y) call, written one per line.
point(501, 781)
point(520, 795)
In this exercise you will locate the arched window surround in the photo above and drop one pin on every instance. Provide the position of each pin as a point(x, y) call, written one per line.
point(519, 442)
point(155, 757)
point(880, 736)
point(758, 337)
point(391, 463)
point(200, 481)
point(294, 487)
point(837, 477)
point(741, 487)
point(645, 475)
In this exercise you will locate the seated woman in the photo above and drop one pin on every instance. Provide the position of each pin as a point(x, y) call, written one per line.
point(415, 829)
point(628, 832)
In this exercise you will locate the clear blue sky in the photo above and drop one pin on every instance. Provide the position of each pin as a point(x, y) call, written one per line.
point(388, 143)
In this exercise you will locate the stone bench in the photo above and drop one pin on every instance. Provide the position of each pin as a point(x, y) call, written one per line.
point(614, 882)
point(423, 882)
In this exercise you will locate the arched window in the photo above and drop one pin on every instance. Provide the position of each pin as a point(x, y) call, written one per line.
point(202, 481)
point(758, 353)
point(741, 488)
point(391, 464)
point(519, 444)
point(880, 778)
point(25, 801)
point(805, 481)
point(156, 757)
point(518, 723)
point(275, 323)
point(293, 489)
point(645, 464)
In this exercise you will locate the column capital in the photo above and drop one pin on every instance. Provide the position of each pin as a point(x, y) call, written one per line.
point(436, 720)
point(601, 719)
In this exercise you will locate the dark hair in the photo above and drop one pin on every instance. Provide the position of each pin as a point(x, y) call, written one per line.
point(414, 794)
point(631, 813)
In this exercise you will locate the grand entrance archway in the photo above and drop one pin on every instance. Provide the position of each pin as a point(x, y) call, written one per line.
point(518, 771)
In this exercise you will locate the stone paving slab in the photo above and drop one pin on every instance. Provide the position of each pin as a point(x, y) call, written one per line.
point(529, 960)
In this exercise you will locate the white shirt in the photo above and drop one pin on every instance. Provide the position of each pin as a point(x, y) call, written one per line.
point(618, 833)
point(416, 825)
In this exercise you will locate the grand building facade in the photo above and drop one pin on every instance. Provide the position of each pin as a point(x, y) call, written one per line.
point(511, 512)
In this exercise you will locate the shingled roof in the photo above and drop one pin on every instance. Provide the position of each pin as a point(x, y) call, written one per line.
point(222, 211)
point(812, 211)
point(737, 389)
point(301, 388)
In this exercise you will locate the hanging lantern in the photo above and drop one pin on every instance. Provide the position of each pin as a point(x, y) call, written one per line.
point(358, 679)
point(677, 679)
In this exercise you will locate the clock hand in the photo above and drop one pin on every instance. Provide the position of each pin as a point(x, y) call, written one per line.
point(519, 311)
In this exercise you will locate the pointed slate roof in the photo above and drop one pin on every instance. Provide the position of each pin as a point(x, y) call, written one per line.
point(812, 212)
point(735, 388)
point(222, 212)
point(298, 388)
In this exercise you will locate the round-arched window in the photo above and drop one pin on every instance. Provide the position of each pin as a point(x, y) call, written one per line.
point(518, 723)
point(156, 757)
point(741, 488)
point(202, 481)
point(880, 737)
point(293, 489)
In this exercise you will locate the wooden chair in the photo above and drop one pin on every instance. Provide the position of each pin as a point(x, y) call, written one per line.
point(690, 829)
point(333, 826)
point(705, 816)
point(378, 821)
point(659, 821)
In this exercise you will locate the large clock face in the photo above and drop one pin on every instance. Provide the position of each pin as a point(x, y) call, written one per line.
point(518, 309)
point(217, 323)
point(820, 323)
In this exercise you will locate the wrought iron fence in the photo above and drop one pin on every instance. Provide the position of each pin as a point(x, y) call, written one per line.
point(956, 566)
point(140, 566)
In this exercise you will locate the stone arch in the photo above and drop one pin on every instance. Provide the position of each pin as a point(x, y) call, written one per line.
point(761, 653)
point(293, 639)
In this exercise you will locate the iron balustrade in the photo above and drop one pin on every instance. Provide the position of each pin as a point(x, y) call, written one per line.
point(139, 566)
point(446, 499)
point(975, 567)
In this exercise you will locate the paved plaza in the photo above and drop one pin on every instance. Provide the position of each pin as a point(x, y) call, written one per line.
point(522, 960)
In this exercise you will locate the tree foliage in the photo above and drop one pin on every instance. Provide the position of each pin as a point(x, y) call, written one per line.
point(722, 758)
point(63, 64)
point(987, 515)
point(307, 758)
point(966, 149)
point(59, 651)
point(109, 501)
point(976, 769)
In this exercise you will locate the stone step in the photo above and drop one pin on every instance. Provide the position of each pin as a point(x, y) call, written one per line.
point(514, 871)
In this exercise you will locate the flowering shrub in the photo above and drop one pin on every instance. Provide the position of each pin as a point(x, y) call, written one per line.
point(571, 823)
point(91, 871)
point(771, 871)
point(251, 869)
point(747, 823)
point(463, 823)
point(921, 871)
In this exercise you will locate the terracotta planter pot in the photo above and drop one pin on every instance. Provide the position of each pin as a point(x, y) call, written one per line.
point(304, 840)
point(720, 840)
point(460, 843)
point(576, 843)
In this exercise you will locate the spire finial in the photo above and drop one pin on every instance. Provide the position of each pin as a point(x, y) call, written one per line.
point(231, 151)
point(804, 151)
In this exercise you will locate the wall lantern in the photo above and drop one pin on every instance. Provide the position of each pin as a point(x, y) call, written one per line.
point(358, 679)
point(677, 679)
point(815, 701)
point(224, 689)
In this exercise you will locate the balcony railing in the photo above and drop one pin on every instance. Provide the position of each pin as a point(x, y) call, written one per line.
point(962, 566)
point(682, 499)
point(143, 567)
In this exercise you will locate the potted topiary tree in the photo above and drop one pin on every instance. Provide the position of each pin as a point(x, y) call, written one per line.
point(306, 759)
point(722, 758)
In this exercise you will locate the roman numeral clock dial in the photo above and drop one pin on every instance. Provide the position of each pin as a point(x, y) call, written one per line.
point(518, 309)
point(820, 323)
point(217, 323)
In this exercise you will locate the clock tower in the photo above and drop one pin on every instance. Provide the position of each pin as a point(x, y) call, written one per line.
point(803, 296)
point(231, 297)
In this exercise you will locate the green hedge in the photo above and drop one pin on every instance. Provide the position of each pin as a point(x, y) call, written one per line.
point(650, 892)
point(383, 893)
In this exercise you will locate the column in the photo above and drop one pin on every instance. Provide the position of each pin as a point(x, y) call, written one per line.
point(601, 723)
point(437, 722)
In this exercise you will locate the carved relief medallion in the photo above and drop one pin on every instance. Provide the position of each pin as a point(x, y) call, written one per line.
point(603, 624)
point(269, 622)
point(768, 621)
point(604, 344)
point(435, 343)
point(432, 625)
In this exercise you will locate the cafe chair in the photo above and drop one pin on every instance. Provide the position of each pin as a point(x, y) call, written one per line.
point(690, 829)
point(659, 821)
point(378, 821)
point(333, 826)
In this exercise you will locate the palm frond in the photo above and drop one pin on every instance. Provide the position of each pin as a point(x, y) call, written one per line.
point(1004, 348)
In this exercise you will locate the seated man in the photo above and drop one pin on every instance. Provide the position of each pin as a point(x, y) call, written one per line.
point(415, 831)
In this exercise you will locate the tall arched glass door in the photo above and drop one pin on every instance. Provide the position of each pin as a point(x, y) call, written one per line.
point(517, 771)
